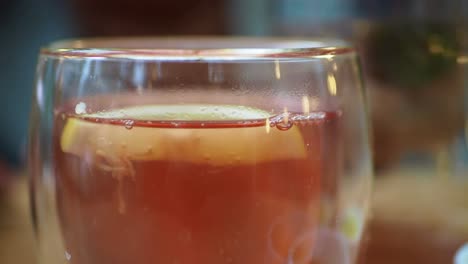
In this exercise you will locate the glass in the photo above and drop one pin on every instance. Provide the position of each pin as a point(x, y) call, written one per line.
point(199, 150)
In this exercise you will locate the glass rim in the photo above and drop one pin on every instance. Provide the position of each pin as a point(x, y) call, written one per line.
point(198, 48)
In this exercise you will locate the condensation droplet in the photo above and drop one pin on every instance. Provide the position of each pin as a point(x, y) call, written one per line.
point(129, 124)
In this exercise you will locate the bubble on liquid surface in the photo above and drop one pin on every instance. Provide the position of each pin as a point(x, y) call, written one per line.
point(284, 125)
point(286, 120)
point(282, 121)
point(80, 108)
point(129, 124)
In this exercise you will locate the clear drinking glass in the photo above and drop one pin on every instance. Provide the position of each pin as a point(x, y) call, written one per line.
point(199, 150)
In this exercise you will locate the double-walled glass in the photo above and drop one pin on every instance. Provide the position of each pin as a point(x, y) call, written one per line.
point(199, 151)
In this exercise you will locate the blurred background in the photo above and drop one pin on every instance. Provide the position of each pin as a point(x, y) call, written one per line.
point(414, 56)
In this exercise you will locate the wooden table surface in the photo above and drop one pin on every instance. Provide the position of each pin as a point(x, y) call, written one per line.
point(414, 220)
point(17, 241)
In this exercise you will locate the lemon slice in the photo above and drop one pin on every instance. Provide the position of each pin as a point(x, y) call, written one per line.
point(184, 113)
point(214, 146)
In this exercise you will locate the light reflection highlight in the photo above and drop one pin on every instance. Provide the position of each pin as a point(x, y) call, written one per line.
point(277, 70)
point(305, 105)
point(331, 84)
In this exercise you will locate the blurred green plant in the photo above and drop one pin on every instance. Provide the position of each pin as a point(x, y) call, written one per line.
point(411, 55)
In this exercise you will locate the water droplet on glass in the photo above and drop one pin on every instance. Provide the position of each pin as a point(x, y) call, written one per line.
point(129, 124)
